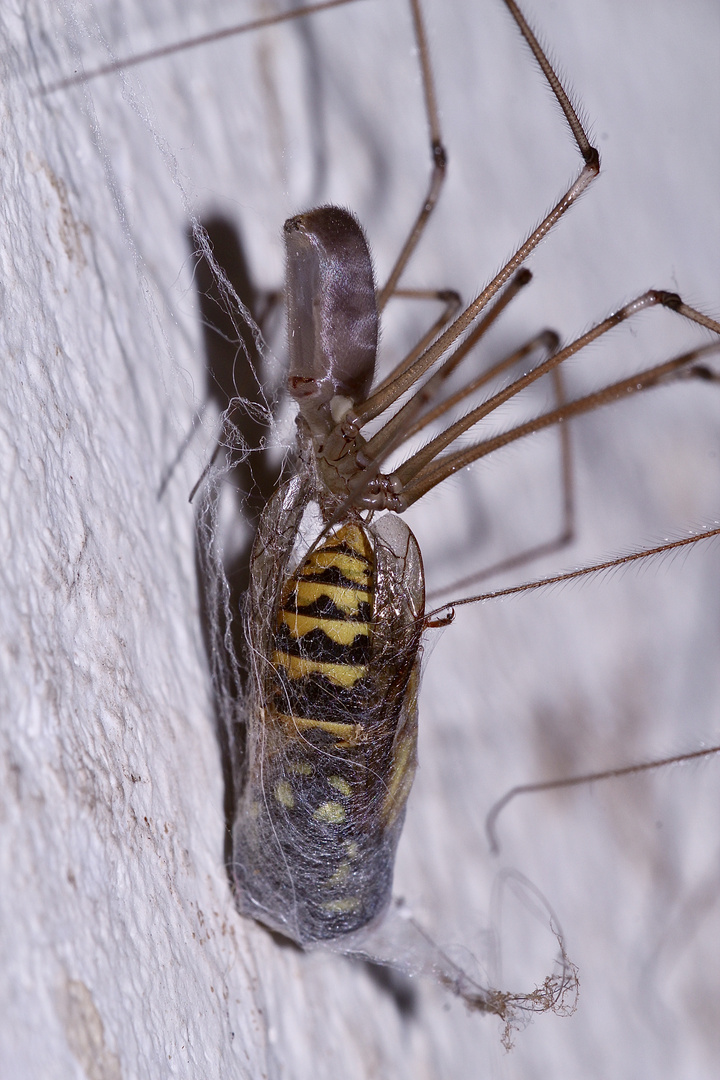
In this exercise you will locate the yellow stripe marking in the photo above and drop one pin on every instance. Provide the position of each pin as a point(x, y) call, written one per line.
point(351, 567)
point(340, 876)
point(342, 907)
point(345, 675)
point(284, 794)
point(339, 631)
point(354, 537)
point(401, 779)
point(340, 784)
point(347, 600)
point(347, 734)
point(352, 848)
point(330, 813)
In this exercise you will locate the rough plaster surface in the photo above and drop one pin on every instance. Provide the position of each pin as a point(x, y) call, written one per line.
point(122, 955)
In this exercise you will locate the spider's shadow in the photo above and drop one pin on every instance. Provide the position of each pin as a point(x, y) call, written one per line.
point(234, 373)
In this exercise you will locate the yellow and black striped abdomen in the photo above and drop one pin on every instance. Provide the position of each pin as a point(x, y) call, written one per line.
point(324, 625)
point(334, 752)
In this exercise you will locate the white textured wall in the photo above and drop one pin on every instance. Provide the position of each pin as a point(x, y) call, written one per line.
point(122, 955)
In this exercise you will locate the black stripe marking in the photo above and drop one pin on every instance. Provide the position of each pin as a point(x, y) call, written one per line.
point(329, 575)
point(316, 645)
point(324, 608)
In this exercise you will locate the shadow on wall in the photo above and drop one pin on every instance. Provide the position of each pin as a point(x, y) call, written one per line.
point(234, 374)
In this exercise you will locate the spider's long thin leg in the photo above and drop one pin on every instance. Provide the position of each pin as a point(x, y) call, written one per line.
point(587, 778)
point(565, 533)
point(123, 63)
point(378, 402)
point(452, 302)
point(422, 472)
point(437, 154)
